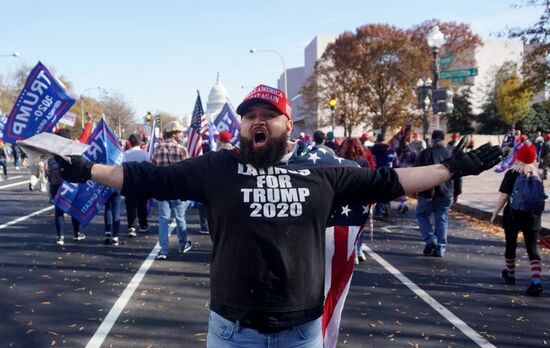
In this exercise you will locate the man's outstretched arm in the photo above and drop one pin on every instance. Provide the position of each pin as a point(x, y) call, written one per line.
point(418, 179)
point(112, 176)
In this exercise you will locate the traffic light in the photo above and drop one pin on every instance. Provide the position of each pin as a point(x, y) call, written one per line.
point(148, 117)
point(157, 118)
point(332, 103)
point(442, 100)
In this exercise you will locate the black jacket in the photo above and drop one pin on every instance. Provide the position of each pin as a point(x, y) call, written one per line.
point(433, 155)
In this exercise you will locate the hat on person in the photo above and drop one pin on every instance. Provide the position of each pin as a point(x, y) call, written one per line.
point(455, 136)
point(522, 138)
point(527, 153)
point(173, 126)
point(547, 136)
point(330, 135)
point(438, 135)
point(269, 95)
point(225, 137)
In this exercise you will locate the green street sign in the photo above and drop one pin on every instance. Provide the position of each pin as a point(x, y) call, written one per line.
point(458, 80)
point(445, 75)
point(447, 60)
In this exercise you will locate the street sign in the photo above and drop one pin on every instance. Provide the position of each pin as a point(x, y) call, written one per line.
point(458, 80)
point(445, 75)
point(447, 60)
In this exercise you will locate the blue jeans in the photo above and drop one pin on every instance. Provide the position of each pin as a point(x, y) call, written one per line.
point(439, 207)
point(59, 216)
point(165, 209)
point(202, 216)
point(223, 333)
point(112, 214)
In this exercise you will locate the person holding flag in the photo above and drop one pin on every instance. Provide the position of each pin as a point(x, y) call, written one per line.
point(272, 207)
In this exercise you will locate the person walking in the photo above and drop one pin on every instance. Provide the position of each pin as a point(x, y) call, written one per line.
point(319, 139)
point(3, 160)
point(169, 152)
point(435, 201)
point(544, 157)
point(352, 149)
point(111, 219)
point(136, 207)
point(516, 218)
point(268, 209)
point(55, 180)
point(384, 156)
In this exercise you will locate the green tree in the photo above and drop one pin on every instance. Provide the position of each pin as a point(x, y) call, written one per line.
point(461, 119)
point(538, 118)
point(490, 121)
point(511, 100)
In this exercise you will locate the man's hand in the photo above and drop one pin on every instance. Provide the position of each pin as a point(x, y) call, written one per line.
point(78, 169)
point(473, 162)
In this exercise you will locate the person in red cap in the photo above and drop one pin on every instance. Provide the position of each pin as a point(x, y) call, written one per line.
point(417, 143)
point(519, 190)
point(224, 141)
point(268, 210)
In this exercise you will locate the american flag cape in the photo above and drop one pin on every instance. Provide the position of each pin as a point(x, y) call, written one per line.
point(197, 129)
point(509, 160)
point(343, 228)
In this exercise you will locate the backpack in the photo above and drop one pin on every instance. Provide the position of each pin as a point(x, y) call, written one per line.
point(528, 194)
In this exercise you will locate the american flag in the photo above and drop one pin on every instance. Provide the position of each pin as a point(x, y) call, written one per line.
point(197, 129)
point(342, 233)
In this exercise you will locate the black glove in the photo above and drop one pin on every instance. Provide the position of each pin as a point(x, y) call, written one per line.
point(474, 162)
point(78, 169)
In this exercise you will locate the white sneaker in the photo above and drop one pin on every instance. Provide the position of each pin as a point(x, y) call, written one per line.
point(60, 241)
point(362, 256)
point(132, 232)
point(356, 261)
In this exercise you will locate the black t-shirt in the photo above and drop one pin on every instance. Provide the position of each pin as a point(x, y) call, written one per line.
point(267, 226)
point(512, 218)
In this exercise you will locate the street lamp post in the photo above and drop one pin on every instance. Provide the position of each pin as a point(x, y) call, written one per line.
point(14, 54)
point(82, 103)
point(425, 89)
point(253, 50)
point(435, 40)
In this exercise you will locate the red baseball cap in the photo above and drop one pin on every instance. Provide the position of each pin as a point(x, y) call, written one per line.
point(225, 136)
point(269, 95)
point(527, 154)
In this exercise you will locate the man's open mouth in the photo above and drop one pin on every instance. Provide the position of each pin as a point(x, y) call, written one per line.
point(260, 137)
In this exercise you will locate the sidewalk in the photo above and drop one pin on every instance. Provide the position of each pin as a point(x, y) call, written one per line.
point(480, 193)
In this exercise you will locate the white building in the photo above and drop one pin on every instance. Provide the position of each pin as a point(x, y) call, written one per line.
point(489, 58)
point(216, 99)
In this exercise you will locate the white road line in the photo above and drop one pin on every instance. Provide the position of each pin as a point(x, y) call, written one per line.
point(14, 184)
point(107, 324)
point(453, 319)
point(23, 218)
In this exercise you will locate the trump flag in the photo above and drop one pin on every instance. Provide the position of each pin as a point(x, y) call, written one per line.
point(229, 121)
point(84, 201)
point(41, 104)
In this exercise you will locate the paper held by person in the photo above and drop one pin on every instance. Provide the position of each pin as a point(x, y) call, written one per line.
point(43, 146)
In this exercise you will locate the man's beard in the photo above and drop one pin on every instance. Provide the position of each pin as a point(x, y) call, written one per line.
point(268, 155)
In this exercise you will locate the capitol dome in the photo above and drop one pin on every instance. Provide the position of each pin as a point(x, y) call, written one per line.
point(217, 97)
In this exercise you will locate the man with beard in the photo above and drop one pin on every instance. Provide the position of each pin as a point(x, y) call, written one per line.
point(268, 209)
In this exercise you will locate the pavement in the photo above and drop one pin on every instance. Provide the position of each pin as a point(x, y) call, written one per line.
point(480, 193)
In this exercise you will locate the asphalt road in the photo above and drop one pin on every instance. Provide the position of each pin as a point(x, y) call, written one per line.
point(59, 296)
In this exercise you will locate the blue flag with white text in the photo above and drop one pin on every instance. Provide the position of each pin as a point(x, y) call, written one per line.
point(229, 121)
point(40, 105)
point(84, 201)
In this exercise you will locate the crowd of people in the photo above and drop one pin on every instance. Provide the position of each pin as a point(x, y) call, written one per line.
point(258, 195)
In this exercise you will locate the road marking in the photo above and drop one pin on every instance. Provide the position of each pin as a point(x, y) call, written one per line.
point(107, 324)
point(23, 218)
point(447, 314)
point(14, 184)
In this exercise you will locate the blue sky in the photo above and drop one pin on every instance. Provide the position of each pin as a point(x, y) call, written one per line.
point(158, 53)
